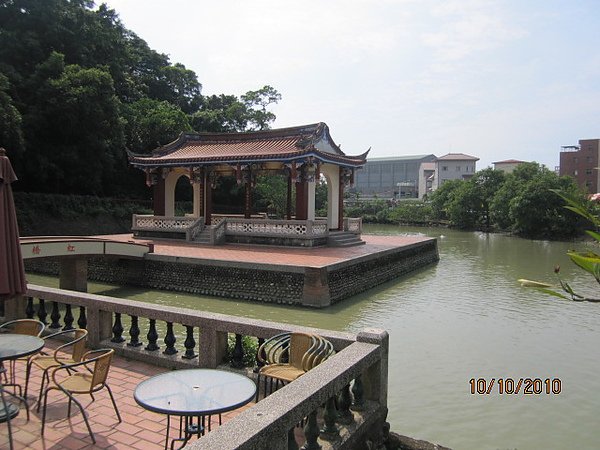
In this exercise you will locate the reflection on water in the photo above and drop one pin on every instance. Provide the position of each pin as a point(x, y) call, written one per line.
point(465, 317)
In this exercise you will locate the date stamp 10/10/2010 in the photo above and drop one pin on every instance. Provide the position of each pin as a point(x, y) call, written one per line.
point(515, 386)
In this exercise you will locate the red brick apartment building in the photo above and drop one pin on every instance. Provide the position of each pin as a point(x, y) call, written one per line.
point(581, 162)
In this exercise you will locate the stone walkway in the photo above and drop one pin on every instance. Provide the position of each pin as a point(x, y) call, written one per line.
point(140, 429)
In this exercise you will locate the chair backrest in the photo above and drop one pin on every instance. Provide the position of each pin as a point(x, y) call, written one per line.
point(319, 353)
point(101, 366)
point(30, 327)
point(79, 344)
point(300, 344)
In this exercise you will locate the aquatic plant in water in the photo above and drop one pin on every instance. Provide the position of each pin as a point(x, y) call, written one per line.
point(588, 260)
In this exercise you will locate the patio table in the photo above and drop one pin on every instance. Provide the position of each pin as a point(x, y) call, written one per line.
point(193, 393)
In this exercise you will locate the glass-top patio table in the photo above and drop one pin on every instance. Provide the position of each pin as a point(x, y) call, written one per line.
point(193, 393)
point(13, 346)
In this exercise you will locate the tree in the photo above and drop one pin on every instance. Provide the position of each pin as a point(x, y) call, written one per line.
point(74, 131)
point(535, 211)
point(256, 103)
point(152, 123)
point(11, 134)
point(442, 196)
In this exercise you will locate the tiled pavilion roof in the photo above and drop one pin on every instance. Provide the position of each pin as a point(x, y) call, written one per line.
point(282, 145)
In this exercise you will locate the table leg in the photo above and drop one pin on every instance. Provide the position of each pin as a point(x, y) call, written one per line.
point(168, 427)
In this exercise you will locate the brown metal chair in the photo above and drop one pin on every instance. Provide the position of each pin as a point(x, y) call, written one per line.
point(46, 362)
point(97, 365)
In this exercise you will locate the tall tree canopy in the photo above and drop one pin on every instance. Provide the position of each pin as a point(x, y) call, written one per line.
point(77, 88)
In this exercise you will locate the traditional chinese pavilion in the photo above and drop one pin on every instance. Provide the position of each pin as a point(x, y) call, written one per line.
point(300, 154)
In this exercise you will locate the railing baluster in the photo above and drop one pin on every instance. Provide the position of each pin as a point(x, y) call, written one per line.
point(237, 357)
point(152, 337)
point(330, 431)
point(189, 343)
point(42, 314)
point(345, 416)
point(259, 363)
point(68, 318)
point(55, 316)
point(82, 321)
point(357, 391)
point(292, 444)
point(29, 311)
point(311, 433)
point(170, 340)
point(117, 330)
point(134, 333)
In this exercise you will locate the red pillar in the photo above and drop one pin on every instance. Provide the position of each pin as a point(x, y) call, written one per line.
point(289, 198)
point(248, 208)
point(208, 201)
point(341, 201)
point(302, 200)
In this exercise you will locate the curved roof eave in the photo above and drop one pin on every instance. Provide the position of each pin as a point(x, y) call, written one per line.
point(346, 161)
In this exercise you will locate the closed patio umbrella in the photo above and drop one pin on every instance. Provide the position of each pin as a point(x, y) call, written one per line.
point(12, 273)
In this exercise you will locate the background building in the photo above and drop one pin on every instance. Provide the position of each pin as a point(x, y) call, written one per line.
point(581, 162)
point(453, 166)
point(395, 177)
point(507, 166)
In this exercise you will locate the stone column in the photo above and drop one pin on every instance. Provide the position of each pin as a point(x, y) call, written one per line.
point(198, 188)
point(375, 378)
point(73, 274)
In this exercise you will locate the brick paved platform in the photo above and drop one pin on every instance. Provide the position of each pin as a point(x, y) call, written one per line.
point(140, 429)
point(317, 257)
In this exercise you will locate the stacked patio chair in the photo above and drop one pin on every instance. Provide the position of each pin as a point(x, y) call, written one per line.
point(288, 356)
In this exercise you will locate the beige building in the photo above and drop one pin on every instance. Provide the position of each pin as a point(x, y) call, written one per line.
point(453, 166)
point(508, 165)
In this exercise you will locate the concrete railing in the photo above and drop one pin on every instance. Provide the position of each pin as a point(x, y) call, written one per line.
point(296, 229)
point(354, 380)
point(353, 225)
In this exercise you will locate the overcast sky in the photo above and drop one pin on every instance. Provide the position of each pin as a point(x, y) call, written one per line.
point(494, 79)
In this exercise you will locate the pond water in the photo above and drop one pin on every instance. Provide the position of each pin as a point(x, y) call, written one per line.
point(461, 319)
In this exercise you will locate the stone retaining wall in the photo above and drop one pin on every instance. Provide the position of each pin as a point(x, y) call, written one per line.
point(309, 286)
point(356, 278)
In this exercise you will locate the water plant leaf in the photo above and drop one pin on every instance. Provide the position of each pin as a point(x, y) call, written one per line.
point(534, 284)
point(588, 261)
point(593, 234)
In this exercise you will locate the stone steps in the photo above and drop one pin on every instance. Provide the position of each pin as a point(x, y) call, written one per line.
point(343, 239)
point(204, 236)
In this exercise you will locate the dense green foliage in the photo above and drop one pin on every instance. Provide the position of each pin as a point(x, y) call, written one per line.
point(77, 88)
point(54, 214)
point(521, 202)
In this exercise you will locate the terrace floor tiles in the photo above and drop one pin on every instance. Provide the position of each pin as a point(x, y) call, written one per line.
point(140, 429)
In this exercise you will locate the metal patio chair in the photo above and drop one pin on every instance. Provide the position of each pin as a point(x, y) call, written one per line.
point(93, 379)
point(45, 362)
point(286, 357)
